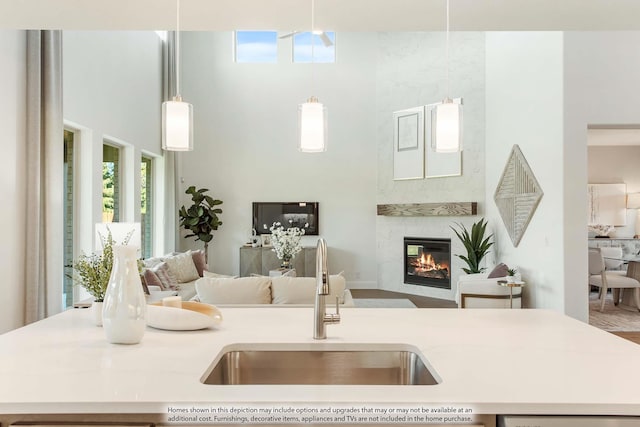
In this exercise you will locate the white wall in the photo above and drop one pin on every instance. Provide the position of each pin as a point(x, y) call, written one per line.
point(601, 83)
point(524, 106)
point(112, 89)
point(411, 72)
point(613, 165)
point(246, 149)
point(12, 182)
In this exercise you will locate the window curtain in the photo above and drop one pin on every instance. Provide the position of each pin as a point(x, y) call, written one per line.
point(171, 158)
point(45, 150)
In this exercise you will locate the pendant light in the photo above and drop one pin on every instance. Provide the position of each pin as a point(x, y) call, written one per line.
point(312, 115)
point(447, 117)
point(177, 115)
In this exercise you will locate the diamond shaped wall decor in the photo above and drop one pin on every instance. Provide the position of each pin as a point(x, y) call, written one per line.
point(517, 195)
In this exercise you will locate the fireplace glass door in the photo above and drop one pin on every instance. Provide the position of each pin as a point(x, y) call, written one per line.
point(427, 262)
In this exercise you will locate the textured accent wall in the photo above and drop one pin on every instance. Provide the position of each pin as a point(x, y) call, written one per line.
point(411, 72)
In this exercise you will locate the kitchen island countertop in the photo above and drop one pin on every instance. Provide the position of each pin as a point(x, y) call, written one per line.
point(494, 361)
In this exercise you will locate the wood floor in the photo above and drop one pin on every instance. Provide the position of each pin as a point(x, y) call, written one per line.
point(419, 301)
point(631, 336)
point(427, 302)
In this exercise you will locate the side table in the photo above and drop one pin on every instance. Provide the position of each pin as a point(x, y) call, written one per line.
point(511, 286)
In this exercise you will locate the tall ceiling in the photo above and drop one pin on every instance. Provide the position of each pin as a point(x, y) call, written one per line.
point(338, 15)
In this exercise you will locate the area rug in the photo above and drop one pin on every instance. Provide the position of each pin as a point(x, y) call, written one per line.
point(613, 318)
point(383, 303)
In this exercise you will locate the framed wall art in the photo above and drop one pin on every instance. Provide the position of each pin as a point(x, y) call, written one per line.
point(408, 144)
point(266, 240)
point(607, 204)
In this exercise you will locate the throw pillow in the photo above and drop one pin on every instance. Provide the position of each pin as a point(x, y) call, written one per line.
point(302, 290)
point(500, 270)
point(167, 279)
point(182, 267)
point(199, 261)
point(151, 278)
point(152, 262)
point(244, 290)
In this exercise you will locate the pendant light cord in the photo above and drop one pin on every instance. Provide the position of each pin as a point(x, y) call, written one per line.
point(177, 48)
point(447, 49)
point(313, 28)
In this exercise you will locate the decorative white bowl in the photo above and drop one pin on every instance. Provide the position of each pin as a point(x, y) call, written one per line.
point(192, 316)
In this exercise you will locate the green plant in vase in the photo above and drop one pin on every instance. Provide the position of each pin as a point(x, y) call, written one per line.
point(92, 272)
point(475, 243)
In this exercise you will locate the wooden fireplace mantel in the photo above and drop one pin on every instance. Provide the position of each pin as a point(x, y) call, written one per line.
point(429, 209)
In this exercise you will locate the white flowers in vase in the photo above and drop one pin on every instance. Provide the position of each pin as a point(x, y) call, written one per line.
point(601, 229)
point(286, 243)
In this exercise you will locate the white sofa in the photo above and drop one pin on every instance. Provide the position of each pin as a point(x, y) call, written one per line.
point(479, 291)
point(185, 275)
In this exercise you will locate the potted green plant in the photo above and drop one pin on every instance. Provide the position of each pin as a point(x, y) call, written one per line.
point(511, 275)
point(92, 272)
point(201, 218)
point(475, 243)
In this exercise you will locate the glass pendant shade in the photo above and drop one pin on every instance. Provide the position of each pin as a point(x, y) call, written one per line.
point(447, 127)
point(312, 126)
point(177, 125)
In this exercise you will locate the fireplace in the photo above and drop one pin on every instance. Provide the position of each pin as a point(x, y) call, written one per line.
point(427, 262)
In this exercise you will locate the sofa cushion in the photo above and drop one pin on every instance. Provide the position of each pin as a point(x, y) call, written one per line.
point(187, 291)
point(182, 267)
point(293, 290)
point(199, 261)
point(245, 290)
point(206, 273)
point(301, 290)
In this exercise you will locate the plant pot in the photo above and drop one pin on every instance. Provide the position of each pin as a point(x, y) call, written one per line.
point(96, 308)
point(511, 279)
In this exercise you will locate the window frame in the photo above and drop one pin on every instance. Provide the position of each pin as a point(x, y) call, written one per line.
point(236, 47)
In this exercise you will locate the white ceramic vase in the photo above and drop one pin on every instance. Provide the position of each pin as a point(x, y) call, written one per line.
point(124, 308)
point(96, 308)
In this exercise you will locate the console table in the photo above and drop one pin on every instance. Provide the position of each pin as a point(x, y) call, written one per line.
point(262, 260)
point(630, 246)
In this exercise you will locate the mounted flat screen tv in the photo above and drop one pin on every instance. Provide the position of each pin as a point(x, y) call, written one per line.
point(295, 214)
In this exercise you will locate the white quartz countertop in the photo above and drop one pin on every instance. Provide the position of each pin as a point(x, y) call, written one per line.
point(494, 361)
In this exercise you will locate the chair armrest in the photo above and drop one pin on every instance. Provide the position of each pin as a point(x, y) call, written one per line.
point(348, 299)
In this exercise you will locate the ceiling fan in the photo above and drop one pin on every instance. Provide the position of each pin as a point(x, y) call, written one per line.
point(323, 36)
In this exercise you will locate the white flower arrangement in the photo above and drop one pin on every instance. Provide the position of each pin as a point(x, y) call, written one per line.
point(601, 229)
point(286, 243)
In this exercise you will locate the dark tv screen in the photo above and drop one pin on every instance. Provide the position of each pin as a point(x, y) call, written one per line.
point(294, 214)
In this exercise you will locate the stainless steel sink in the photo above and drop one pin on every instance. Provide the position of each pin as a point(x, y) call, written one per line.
point(322, 366)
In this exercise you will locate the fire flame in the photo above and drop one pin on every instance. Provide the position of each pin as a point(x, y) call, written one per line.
point(426, 262)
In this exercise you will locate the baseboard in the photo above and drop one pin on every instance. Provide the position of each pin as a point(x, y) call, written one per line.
point(361, 284)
